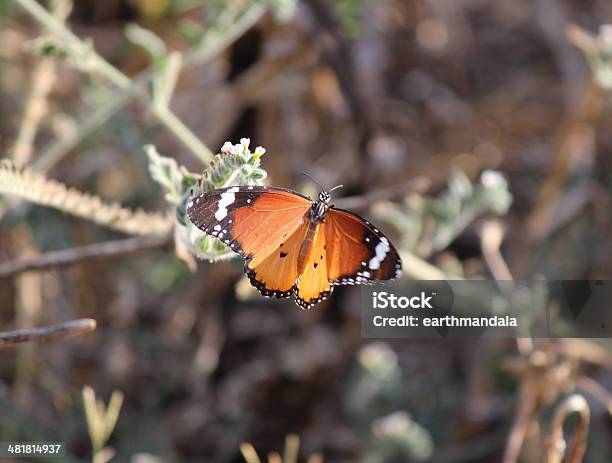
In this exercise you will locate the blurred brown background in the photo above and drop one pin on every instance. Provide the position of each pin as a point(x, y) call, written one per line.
point(366, 93)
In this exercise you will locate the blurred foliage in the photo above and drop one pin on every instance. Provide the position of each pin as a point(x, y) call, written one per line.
point(101, 421)
point(397, 437)
point(350, 16)
point(597, 50)
point(290, 453)
point(376, 384)
point(431, 224)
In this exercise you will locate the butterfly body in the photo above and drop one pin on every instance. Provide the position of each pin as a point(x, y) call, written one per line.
point(307, 248)
point(293, 245)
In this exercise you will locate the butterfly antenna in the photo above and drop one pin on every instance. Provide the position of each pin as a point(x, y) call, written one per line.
point(335, 188)
point(308, 175)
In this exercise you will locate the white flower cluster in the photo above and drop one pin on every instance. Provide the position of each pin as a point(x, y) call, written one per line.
point(241, 149)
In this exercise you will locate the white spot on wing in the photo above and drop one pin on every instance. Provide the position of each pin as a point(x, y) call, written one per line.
point(381, 250)
point(227, 198)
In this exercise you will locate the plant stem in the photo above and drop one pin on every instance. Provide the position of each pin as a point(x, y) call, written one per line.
point(107, 249)
point(36, 188)
point(219, 40)
point(416, 268)
point(522, 420)
point(44, 333)
point(212, 44)
point(56, 150)
point(100, 65)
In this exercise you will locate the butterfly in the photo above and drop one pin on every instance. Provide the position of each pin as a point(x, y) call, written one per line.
point(293, 245)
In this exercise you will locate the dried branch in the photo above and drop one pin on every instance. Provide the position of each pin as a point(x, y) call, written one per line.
point(43, 78)
point(492, 236)
point(573, 141)
point(544, 376)
point(108, 249)
point(336, 51)
point(417, 268)
point(46, 333)
point(592, 387)
point(586, 351)
point(419, 184)
point(251, 87)
point(35, 187)
point(522, 420)
point(556, 444)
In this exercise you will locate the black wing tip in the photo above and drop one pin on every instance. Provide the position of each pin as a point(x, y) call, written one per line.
point(192, 209)
point(193, 202)
point(366, 277)
point(398, 269)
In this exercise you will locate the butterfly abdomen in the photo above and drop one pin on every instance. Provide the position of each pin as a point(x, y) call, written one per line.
point(307, 247)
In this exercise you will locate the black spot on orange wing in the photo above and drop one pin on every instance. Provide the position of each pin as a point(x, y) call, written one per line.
point(359, 253)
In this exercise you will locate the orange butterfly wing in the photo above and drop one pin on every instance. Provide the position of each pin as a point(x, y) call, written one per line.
point(269, 226)
point(357, 251)
point(251, 220)
point(347, 250)
point(264, 225)
point(313, 284)
point(275, 274)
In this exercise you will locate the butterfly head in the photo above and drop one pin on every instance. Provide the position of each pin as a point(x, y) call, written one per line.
point(324, 197)
point(320, 207)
